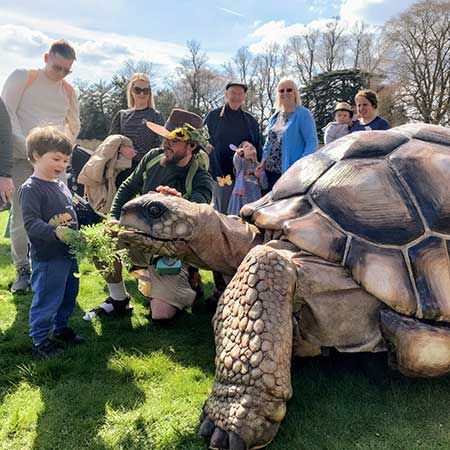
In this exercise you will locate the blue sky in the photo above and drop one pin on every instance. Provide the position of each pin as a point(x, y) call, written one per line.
point(107, 33)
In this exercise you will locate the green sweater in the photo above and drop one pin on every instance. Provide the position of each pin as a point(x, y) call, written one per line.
point(172, 176)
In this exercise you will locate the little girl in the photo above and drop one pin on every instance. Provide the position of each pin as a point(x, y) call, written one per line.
point(247, 187)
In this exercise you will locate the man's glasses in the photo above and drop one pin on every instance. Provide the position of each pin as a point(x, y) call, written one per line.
point(282, 91)
point(138, 90)
point(58, 68)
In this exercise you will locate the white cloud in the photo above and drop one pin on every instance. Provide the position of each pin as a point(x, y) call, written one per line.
point(374, 12)
point(19, 39)
point(24, 40)
point(279, 32)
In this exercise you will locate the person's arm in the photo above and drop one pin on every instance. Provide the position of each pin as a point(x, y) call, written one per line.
point(5, 142)
point(30, 203)
point(115, 125)
point(307, 128)
point(202, 187)
point(384, 124)
point(329, 134)
point(72, 119)
point(6, 184)
point(256, 135)
point(12, 94)
point(131, 187)
point(156, 140)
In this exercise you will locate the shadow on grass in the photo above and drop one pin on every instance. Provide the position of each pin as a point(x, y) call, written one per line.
point(78, 389)
point(335, 405)
point(74, 388)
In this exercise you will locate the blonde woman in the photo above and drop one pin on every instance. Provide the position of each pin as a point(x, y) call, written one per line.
point(129, 122)
point(291, 133)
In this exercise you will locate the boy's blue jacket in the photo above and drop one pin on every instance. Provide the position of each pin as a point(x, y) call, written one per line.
point(299, 137)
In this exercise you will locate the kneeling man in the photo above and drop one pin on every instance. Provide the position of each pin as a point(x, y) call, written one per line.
point(175, 169)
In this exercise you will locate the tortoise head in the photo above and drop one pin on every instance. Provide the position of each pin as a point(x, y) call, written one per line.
point(159, 224)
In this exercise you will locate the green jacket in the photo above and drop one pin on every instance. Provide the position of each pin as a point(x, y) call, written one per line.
point(144, 180)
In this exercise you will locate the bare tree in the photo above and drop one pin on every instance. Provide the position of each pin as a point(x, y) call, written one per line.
point(197, 86)
point(419, 60)
point(303, 49)
point(268, 69)
point(332, 47)
point(131, 67)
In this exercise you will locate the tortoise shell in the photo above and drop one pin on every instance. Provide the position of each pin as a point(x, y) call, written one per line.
point(378, 203)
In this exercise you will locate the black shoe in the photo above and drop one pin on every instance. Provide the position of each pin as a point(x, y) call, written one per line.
point(110, 308)
point(22, 282)
point(47, 349)
point(67, 336)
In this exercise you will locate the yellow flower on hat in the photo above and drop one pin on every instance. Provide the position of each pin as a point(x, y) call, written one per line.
point(179, 133)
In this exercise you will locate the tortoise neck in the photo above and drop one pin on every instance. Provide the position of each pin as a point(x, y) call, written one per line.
point(222, 243)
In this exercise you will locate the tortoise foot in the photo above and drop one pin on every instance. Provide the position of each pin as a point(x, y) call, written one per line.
point(253, 328)
point(240, 418)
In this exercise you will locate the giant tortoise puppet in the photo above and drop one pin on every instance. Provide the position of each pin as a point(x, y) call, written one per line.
point(350, 250)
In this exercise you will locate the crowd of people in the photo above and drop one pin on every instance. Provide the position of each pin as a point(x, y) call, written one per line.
point(219, 159)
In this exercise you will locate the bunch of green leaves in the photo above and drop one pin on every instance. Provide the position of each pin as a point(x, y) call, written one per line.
point(99, 244)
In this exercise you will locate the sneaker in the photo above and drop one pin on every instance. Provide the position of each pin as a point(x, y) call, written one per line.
point(110, 308)
point(67, 336)
point(47, 349)
point(22, 282)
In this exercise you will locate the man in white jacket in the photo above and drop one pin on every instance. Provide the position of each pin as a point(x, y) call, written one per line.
point(36, 98)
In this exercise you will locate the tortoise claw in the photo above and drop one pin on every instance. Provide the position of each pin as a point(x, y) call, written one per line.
point(236, 442)
point(219, 439)
point(206, 428)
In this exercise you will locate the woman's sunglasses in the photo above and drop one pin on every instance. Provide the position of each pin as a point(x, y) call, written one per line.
point(138, 90)
point(282, 91)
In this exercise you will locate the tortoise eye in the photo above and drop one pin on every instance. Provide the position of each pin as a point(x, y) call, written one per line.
point(155, 210)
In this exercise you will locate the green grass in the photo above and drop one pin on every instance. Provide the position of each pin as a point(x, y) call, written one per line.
point(137, 385)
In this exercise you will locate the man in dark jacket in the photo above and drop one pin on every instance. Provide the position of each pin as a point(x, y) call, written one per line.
point(229, 124)
point(166, 170)
point(6, 184)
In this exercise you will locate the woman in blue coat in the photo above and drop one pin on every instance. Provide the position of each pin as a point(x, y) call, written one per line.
point(291, 133)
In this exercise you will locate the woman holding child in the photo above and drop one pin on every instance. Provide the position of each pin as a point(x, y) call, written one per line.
point(291, 133)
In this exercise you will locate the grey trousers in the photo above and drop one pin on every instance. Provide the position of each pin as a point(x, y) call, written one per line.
point(21, 170)
point(220, 200)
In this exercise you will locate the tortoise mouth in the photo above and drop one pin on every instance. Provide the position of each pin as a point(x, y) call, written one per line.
point(128, 232)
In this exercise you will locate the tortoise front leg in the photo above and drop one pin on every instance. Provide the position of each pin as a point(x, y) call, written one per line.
point(253, 335)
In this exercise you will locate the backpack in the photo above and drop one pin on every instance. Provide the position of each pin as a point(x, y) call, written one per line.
point(80, 156)
point(200, 159)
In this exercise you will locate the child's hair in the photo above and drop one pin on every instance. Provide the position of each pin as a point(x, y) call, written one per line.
point(43, 140)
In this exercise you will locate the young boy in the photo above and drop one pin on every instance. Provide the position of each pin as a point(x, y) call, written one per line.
point(47, 209)
point(342, 122)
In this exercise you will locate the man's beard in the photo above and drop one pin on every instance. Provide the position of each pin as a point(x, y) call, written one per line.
point(173, 161)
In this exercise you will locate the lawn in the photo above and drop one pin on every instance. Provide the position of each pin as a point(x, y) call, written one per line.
point(138, 385)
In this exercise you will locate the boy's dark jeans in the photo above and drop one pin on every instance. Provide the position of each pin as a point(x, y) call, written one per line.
point(55, 292)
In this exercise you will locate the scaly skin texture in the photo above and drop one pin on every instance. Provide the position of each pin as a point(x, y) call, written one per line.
point(253, 335)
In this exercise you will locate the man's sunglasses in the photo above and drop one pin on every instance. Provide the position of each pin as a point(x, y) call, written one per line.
point(58, 68)
point(138, 90)
point(282, 91)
